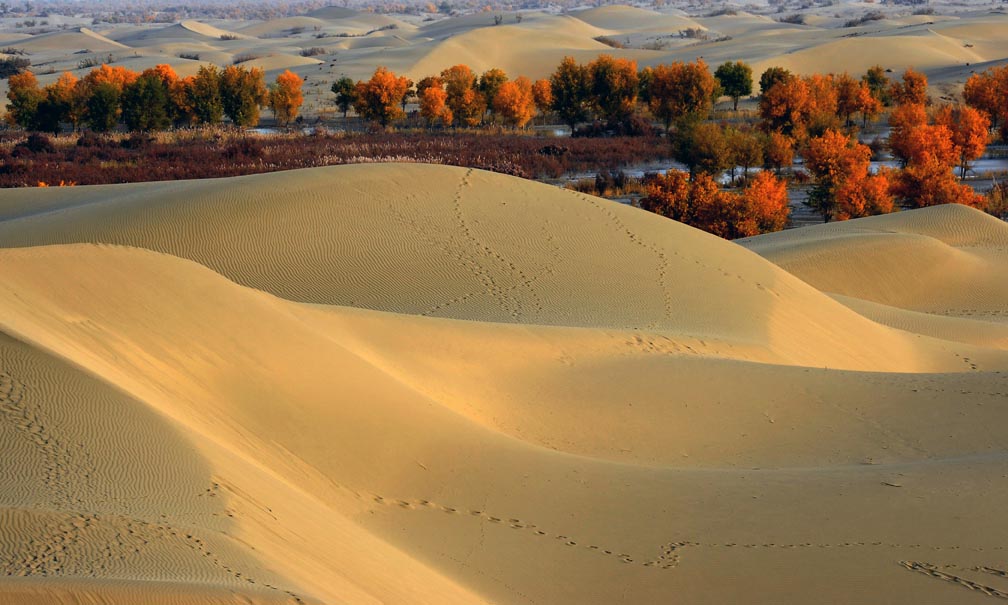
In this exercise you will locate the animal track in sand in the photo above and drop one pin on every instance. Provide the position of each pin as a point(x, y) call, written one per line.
point(933, 571)
point(669, 556)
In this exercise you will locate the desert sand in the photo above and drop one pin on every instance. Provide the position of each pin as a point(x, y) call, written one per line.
point(422, 384)
point(947, 46)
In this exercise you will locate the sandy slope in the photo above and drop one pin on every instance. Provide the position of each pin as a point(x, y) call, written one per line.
point(419, 384)
point(948, 260)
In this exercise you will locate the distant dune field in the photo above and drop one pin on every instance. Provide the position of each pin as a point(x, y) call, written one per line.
point(423, 384)
point(947, 46)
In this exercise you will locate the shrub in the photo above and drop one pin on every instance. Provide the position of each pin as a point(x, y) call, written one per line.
point(137, 140)
point(38, 143)
point(694, 33)
point(866, 18)
point(314, 51)
point(190, 56)
point(13, 65)
point(611, 42)
point(228, 37)
point(91, 140)
point(997, 201)
point(243, 57)
point(387, 27)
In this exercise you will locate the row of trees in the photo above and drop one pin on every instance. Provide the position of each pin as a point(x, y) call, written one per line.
point(607, 90)
point(154, 99)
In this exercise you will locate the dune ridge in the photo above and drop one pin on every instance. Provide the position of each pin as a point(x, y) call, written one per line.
point(424, 384)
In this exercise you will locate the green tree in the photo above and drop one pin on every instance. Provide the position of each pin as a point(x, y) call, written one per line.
point(205, 95)
point(703, 148)
point(773, 75)
point(614, 85)
point(736, 80)
point(102, 112)
point(243, 92)
point(344, 91)
point(571, 88)
point(745, 149)
point(145, 104)
point(490, 83)
point(878, 83)
point(681, 92)
point(24, 95)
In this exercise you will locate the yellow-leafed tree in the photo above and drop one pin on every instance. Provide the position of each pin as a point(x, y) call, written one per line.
point(285, 97)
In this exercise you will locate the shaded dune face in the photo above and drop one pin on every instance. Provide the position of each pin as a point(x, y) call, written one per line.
point(407, 383)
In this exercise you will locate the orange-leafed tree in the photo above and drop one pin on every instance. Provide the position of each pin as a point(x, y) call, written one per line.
point(427, 82)
point(433, 104)
point(285, 97)
point(988, 91)
point(470, 108)
point(848, 97)
point(865, 195)
point(854, 96)
point(868, 104)
point(835, 160)
point(928, 182)
point(614, 85)
point(181, 95)
point(117, 76)
point(970, 132)
point(912, 90)
point(542, 93)
point(380, 98)
point(466, 102)
point(778, 151)
point(903, 121)
point(929, 142)
point(681, 92)
point(822, 112)
point(164, 71)
point(24, 95)
point(514, 102)
point(766, 200)
point(785, 107)
point(927, 178)
point(700, 203)
point(60, 103)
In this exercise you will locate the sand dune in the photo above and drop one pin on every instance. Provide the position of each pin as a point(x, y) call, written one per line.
point(946, 47)
point(184, 30)
point(947, 260)
point(620, 19)
point(278, 27)
point(497, 281)
point(69, 42)
point(420, 384)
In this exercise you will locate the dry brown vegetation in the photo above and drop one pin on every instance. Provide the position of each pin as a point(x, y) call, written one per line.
point(192, 154)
